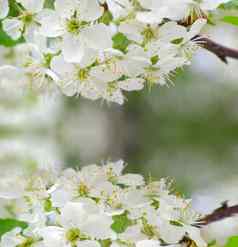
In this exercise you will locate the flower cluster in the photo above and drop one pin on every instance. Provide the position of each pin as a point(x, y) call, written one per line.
point(97, 206)
point(99, 48)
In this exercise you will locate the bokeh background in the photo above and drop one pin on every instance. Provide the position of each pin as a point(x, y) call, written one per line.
point(187, 131)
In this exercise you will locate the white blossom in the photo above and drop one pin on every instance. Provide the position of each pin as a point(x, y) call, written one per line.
point(100, 48)
point(98, 204)
point(27, 22)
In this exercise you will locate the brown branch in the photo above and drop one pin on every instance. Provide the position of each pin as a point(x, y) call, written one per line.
point(219, 50)
point(221, 213)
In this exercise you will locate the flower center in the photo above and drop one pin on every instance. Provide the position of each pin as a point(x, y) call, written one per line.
point(74, 234)
point(74, 25)
point(82, 74)
point(149, 34)
point(27, 243)
point(111, 87)
point(83, 190)
point(27, 18)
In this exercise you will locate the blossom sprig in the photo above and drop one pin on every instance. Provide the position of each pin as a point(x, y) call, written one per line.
point(97, 206)
point(100, 48)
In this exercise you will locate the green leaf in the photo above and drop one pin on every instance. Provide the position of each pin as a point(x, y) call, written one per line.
point(177, 41)
point(154, 60)
point(231, 20)
point(7, 225)
point(106, 18)
point(176, 223)
point(120, 42)
point(121, 222)
point(232, 242)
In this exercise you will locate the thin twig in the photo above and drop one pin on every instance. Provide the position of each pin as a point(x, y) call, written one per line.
point(219, 50)
point(221, 213)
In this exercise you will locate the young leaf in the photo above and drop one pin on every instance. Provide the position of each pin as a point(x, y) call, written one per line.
point(121, 222)
point(120, 42)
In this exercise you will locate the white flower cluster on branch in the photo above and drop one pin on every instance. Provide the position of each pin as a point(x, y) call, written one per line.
point(97, 206)
point(99, 48)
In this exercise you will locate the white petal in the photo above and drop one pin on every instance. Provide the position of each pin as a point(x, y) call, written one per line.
point(150, 4)
point(132, 84)
point(13, 28)
point(133, 234)
point(52, 236)
point(32, 5)
point(73, 214)
point(65, 8)
point(10, 239)
point(61, 67)
point(70, 88)
point(119, 8)
point(137, 52)
point(89, 57)
point(153, 17)
point(92, 228)
point(90, 10)
point(132, 67)
point(88, 243)
point(90, 92)
point(97, 36)
point(132, 30)
point(116, 167)
point(195, 235)
point(4, 8)
point(148, 243)
point(196, 28)
point(51, 25)
point(73, 49)
point(115, 96)
point(131, 179)
point(170, 233)
point(103, 74)
point(212, 4)
point(60, 197)
point(171, 31)
point(177, 9)
point(134, 198)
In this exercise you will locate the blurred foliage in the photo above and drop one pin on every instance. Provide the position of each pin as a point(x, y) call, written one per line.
point(231, 20)
point(233, 4)
point(49, 4)
point(232, 242)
